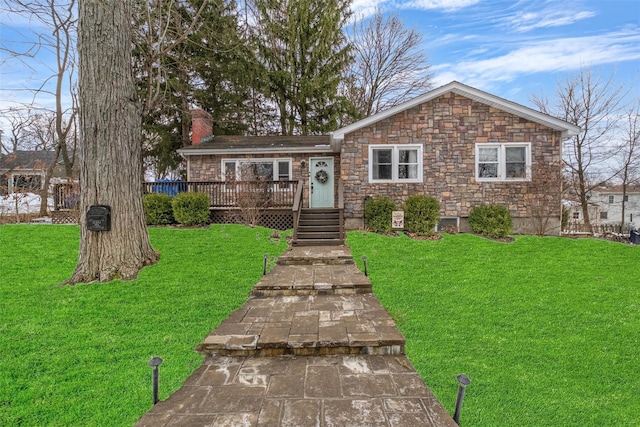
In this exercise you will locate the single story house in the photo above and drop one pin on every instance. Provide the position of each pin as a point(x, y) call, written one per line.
point(24, 170)
point(463, 146)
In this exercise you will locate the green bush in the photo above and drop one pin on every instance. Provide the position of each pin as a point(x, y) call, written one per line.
point(158, 209)
point(378, 213)
point(191, 208)
point(491, 221)
point(421, 214)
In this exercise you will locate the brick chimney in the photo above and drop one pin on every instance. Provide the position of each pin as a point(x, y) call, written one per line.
point(201, 125)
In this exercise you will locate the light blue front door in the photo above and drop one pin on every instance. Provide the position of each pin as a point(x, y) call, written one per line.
point(321, 182)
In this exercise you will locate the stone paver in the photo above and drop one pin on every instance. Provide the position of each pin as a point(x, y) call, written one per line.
point(311, 347)
point(305, 325)
point(319, 391)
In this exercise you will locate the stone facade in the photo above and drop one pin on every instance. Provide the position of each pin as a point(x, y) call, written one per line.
point(448, 128)
point(209, 167)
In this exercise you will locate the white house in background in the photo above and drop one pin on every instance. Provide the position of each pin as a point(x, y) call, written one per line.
point(609, 200)
point(605, 207)
point(576, 217)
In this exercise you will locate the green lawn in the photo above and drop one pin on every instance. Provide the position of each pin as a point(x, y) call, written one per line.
point(73, 356)
point(547, 329)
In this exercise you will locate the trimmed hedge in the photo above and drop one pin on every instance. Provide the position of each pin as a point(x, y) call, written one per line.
point(378, 213)
point(158, 209)
point(491, 220)
point(421, 214)
point(191, 208)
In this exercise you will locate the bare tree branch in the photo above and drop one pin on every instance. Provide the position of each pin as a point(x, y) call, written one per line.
point(592, 102)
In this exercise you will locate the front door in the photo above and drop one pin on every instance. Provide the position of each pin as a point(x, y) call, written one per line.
point(321, 182)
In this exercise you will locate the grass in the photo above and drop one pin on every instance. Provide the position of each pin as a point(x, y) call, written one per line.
point(547, 329)
point(78, 355)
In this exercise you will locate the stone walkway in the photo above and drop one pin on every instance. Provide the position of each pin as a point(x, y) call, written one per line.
point(311, 347)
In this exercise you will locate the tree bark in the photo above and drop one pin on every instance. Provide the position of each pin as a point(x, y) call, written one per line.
point(110, 148)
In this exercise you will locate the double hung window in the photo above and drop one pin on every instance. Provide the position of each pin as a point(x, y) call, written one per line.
point(503, 162)
point(395, 163)
point(251, 169)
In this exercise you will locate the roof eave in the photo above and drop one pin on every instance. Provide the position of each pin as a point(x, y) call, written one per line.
point(254, 150)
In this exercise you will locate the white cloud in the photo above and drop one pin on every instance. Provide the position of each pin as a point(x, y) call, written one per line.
point(444, 5)
point(564, 54)
point(365, 8)
point(527, 21)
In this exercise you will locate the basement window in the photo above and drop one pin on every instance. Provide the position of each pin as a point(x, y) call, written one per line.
point(448, 224)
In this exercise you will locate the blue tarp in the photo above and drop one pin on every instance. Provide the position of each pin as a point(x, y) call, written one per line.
point(170, 187)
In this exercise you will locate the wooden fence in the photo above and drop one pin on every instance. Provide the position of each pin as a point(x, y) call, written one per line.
point(580, 228)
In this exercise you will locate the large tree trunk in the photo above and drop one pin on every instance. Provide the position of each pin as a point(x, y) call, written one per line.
point(110, 152)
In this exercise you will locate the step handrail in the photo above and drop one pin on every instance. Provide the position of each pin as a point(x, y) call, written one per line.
point(297, 205)
point(341, 208)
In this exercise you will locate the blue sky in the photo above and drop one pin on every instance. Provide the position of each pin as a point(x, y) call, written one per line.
point(515, 48)
point(511, 49)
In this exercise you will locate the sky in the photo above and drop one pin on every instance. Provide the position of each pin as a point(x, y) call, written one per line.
point(512, 49)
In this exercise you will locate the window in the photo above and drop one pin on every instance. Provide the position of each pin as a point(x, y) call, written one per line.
point(22, 183)
point(395, 163)
point(503, 162)
point(611, 199)
point(604, 215)
point(626, 198)
point(576, 215)
point(250, 169)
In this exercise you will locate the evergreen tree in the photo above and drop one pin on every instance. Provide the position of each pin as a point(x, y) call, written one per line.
point(303, 50)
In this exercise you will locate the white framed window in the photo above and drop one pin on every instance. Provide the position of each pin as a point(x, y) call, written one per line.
point(248, 169)
point(509, 161)
point(395, 163)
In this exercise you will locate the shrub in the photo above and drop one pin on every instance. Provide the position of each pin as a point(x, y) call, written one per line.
point(191, 208)
point(421, 214)
point(158, 209)
point(491, 221)
point(378, 213)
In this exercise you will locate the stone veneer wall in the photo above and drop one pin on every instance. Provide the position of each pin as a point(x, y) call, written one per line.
point(448, 127)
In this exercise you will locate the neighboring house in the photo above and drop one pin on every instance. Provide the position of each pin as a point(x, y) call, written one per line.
point(456, 143)
point(24, 170)
point(576, 216)
point(609, 199)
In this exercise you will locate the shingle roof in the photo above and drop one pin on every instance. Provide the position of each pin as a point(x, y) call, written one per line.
point(26, 160)
point(258, 144)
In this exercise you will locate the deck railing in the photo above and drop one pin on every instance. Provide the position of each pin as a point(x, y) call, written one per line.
point(268, 194)
point(224, 194)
